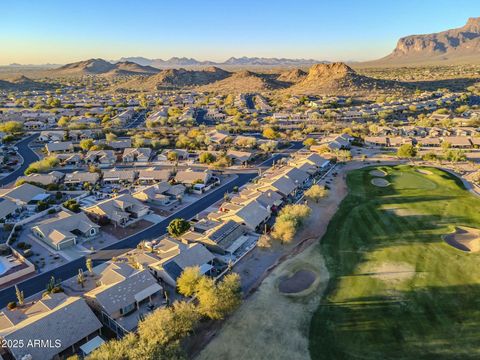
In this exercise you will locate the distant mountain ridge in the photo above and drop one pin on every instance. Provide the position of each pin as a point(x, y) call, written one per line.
point(460, 45)
point(102, 67)
point(233, 61)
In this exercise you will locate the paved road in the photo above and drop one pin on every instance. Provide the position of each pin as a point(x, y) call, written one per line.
point(36, 284)
point(28, 157)
point(249, 101)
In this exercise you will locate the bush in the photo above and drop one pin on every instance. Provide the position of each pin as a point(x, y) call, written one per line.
point(42, 165)
point(289, 220)
point(12, 305)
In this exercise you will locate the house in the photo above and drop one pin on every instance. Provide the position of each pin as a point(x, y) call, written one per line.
point(136, 155)
point(440, 117)
point(217, 137)
point(25, 194)
point(251, 214)
point(190, 177)
point(61, 322)
point(53, 177)
point(153, 175)
point(101, 157)
point(299, 177)
point(122, 290)
point(120, 144)
point(81, 177)
point(399, 141)
point(428, 142)
point(59, 146)
point(170, 268)
point(239, 157)
point(282, 185)
point(222, 237)
point(311, 164)
point(376, 141)
point(65, 229)
point(119, 176)
point(160, 193)
point(457, 141)
point(122, 210)
point(51, 136)
point(69, 159)
point(181, 154)
point(7, 208)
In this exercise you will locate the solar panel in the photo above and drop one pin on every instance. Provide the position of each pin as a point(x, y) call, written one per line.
point(224, 230)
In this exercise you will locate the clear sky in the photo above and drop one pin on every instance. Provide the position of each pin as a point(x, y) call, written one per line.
point(54, 31)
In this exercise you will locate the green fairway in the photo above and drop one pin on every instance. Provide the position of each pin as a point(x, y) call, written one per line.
point(397, 290)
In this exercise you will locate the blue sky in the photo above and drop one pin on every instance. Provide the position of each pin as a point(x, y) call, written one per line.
point(64, 31)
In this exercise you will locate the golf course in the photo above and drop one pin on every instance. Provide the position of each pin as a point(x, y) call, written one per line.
point(397, 288)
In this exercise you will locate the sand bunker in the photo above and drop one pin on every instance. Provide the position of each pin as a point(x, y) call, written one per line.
point(298, 282)
point(380, 182)
point(378, 173)
point(424, 172)
point(392, 272)
point(464, 238)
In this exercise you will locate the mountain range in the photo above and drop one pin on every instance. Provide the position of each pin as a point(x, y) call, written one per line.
point(321, 79)
point(461, 45)
point(233, 61)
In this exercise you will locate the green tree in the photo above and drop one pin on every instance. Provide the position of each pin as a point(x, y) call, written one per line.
point(178, 227)
point(206, 158)
point(20, 296)
point(316, 192)
point(86, 144)
point(188, 281)
point(81, 278)
point(309, 142)
point(11, 127)
point(172, 156)
point(89, 264)
point(269, 133)
point(406, 151)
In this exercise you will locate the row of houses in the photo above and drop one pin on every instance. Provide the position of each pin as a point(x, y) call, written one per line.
point(462, 142)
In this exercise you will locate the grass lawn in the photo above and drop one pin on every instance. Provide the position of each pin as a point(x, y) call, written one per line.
point(397, 290)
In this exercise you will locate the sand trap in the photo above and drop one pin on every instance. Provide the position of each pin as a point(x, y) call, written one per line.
point(380, 182)
point(378, 173)
point(464, 238)
point(298, 282)
point(424, 172)
point(392, 272)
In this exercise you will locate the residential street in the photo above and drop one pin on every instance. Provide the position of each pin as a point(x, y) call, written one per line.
point(28, 157)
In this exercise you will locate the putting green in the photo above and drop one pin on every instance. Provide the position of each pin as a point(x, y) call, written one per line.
point(397, 290)
point(411, 181)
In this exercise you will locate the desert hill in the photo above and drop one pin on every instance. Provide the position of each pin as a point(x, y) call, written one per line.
point(340, 79)
point(292, 76)
point(23, 83)
point(176, 79)
point(102, 67)
point(245, 82)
